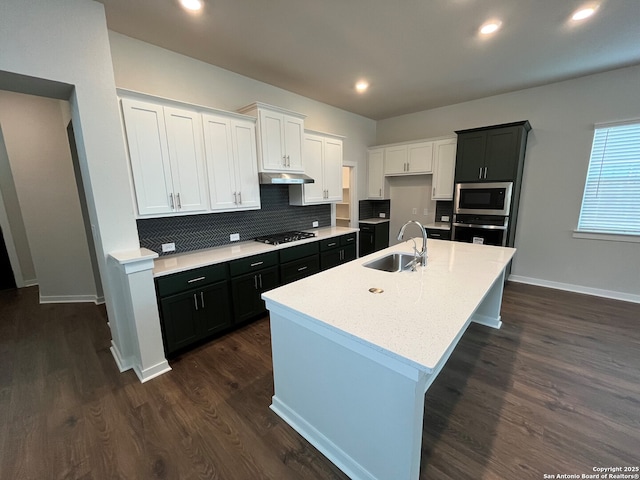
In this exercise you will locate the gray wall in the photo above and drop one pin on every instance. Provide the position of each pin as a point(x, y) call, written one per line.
point(40, 161)
point(149, 69)
point(562, 116)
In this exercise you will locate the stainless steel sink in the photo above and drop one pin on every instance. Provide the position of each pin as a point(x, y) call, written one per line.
point(394, 262)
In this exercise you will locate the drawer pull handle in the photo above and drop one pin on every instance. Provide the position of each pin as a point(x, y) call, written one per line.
point(332, 244)
point(256, 264)
point(350, 239)
point(196, 279)
point(303, 268)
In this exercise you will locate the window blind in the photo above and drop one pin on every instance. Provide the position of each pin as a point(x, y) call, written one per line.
point(611, 201)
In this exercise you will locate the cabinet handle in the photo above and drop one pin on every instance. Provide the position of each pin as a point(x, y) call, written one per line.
point(485, 172)
point(195, 301)
point(332, 244)
point(434, 192)
point(256, 264)
point(255, 282)
point(284, 160)
point(202, 298)
point(480, 173)
point(178, 200)
point(350, 239)
point(341, 254)
point(196, 279)
point(303, 268)
point(260, 277)
point(235, 198)
point(240, 197)
point(171, 201)
point(380, 192)
point(288, 161)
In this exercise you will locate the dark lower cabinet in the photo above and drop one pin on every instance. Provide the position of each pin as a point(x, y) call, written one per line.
point(247, 289)
point(195, 314)
point(438, 233)
point(298, 269)
point(373, 237)
point(336, 251)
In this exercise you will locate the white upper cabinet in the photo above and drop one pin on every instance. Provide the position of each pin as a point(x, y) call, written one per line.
point(375, 174)
point(184, 136)
point(232, 168)
point(408, 159)
point(280, 138)
point(167, 161)
point(444, 165)
point(323, 162)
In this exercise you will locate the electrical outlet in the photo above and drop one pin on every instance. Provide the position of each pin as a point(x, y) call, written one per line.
point(234, 237)
point(314, 224)
point(444, 218)
point(168, 247)
point(415, 211)
point(425, 212)
point(382, 215)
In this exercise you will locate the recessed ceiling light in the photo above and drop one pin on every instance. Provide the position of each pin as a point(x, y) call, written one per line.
point(193, 5)
point(490, 27)
point(361, 86)
point(583, 13)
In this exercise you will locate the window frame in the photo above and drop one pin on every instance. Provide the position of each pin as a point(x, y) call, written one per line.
point(586, 233)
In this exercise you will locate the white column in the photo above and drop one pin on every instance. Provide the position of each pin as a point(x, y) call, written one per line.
point(145, 351)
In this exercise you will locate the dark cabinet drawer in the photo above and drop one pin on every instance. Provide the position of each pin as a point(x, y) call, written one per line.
point(292, 271)
point(329, 243)
point(297, 252)
point(349, 239)
point(179, 282)
point(252, 264)
point(439, 234)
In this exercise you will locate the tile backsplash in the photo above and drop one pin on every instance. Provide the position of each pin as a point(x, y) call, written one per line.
point(373, 208)
point(195, 232)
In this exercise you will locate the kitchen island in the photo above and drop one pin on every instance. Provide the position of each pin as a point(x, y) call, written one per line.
point(351, 367)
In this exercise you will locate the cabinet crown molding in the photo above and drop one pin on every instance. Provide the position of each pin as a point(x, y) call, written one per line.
point(412, 142)
point(260, 105)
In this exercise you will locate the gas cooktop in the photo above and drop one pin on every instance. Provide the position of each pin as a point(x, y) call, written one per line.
point(284, 237)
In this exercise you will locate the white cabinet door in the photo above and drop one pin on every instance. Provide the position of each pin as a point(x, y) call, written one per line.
point(313, 153)
point(323, 162)
point(395, 160)
point(220, 164)
point(420, 158)
point(273, 155)
point(333, 169)
point(375, 174)
point(184, 138)
point(293, 140)
point(246, 161)
point(232, 167)
point(149, 156)
point(443, 169)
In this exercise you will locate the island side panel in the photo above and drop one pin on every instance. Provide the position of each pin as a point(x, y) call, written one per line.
point(365, 417)
point(488, 311)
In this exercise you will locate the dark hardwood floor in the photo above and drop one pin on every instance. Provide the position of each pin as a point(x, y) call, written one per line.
point(555, 391)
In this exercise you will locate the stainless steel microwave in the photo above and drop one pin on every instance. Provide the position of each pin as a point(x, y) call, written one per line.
point(483, 198)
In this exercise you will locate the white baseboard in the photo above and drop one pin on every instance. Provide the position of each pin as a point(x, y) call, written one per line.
point(69, 299)
point(30, 283)
point(597, 292)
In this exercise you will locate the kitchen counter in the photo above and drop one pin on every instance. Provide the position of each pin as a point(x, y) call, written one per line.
point(181, 262)
point(351, 367)
point(438, 225)
point(374, 221)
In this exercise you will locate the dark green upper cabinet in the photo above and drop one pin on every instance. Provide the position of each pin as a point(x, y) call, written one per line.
point(491, 154)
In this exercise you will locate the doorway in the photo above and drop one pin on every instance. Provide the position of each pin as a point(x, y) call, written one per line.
point(7, 280)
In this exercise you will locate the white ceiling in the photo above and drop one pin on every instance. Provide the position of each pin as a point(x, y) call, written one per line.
point(416, 54)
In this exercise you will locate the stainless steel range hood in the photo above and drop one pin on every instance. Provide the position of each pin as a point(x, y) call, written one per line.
point(270, 178)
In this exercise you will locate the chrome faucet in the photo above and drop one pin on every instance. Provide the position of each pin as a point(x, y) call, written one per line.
point(418, 257)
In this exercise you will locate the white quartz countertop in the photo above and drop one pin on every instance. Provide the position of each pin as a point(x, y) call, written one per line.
point(181, 262)
point(374, 221)
point(418, 315)
point(438, 225)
